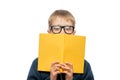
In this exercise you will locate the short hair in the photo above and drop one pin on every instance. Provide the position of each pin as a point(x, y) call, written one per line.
point(61, 13)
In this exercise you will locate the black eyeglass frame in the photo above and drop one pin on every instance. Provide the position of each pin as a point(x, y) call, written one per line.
point(62, 27)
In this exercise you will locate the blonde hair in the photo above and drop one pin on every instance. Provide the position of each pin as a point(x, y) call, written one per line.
point(63, 14)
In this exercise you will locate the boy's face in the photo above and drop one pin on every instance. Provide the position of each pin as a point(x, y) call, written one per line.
point(61, 26)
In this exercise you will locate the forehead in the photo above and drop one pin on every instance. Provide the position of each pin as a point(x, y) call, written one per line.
point(61, 21)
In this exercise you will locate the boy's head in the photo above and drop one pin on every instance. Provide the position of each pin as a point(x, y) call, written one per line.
point(61, 21)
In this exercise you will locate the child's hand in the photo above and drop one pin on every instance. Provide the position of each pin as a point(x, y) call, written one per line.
point(68, 70)
point(55, 69)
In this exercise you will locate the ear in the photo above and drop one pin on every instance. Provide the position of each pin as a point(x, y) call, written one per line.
point(48, 31)
point(74, 32)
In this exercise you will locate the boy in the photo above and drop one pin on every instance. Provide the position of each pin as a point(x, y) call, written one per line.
point(60, 22)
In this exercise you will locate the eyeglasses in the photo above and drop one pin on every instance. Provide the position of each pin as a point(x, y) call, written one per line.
point(56, 29)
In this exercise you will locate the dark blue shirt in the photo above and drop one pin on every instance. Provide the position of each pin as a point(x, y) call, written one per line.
point(34, 74)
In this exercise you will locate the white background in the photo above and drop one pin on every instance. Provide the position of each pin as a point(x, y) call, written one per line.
point(21, 21)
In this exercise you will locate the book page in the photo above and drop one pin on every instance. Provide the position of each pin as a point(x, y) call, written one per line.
point(50, 50)
point(74, 52)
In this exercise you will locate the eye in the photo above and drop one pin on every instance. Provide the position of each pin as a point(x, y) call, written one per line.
point(56, 28)
point(68, 28)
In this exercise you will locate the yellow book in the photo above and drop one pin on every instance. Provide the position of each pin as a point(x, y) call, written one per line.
point(62, 48)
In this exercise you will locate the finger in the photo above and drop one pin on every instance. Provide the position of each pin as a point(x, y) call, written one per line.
point(53, 63)
point(69, 64)
point(66, 72)
point(57, 72)
point(67, 67)
point(56, 69)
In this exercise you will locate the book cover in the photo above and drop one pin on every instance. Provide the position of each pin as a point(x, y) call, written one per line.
point(61, 48)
